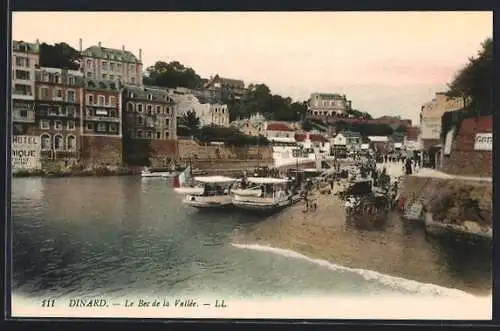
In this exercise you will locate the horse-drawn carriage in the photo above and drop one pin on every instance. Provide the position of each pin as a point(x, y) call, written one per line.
point(365, 205)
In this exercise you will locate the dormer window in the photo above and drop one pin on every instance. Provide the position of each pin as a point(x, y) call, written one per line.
point(150, 97)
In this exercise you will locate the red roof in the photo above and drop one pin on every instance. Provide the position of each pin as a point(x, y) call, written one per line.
point(312, 137)
point(317, 138)
point(300, 137)
point(279, 127)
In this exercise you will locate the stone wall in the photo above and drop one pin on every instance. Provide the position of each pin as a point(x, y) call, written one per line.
point(431, 191)
point(101, 150)
point(191, 149)
point(463, 159)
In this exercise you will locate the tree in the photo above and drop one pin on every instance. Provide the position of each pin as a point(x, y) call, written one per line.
point(474, 82)
point(60, 55)
point(190, 121)
point(172, 74)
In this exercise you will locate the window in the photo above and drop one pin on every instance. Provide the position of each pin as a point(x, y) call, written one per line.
point(46, 142)
point(139, 134)
point(22, 74)
point(71, 96)
point(71, 80)
point(70, 143)
point(71, 111)
point(132, 80)
point(62, 111)
point(89, 62)
point(23, 113)
point(158, 135)
point(113, 127)
point(167, 110)
point(21, 61)
point(101, 100)
point(89, 111)
point(148, 135)
point(112, 101)
point(167, 135)
point(119, 67)
point(57, 79)
point(149, 108)
point(90, 99)
point(150, 97)
point(90, 126)
point(112, 66)
point(58, 143)
point(58, 93)
point(112, 113)
point(130, 106)
point(140, 120)
point(111, 77)
point(58, 125)
point(44, 125)
point(104, 65)
point(158, 109)
point(89, 75)
point(104, 76)
point(71, 125)
point(139, 108)
point(167, 122)
point(44, 93)
point(101, 127)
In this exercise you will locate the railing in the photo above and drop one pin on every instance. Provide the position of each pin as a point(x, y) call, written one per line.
point(102, 119)
point(52, 154)
point(59, 115)
point(29, 118)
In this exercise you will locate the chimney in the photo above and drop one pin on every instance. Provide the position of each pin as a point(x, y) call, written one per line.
point(80, 44)
point(99, 44)
point(140, 54)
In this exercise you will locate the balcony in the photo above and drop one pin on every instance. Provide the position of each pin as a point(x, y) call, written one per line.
point(102, 119)
point(50, 114)
point(23, 116)
point(22, 95)
point(59, 154)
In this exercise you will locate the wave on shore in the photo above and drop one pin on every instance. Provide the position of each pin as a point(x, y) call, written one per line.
point(397, 283)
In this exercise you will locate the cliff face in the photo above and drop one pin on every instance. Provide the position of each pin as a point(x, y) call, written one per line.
point(454, 200)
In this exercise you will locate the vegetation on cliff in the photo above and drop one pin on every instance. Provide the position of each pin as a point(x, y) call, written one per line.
point(172, 74)
point(474, 84)
point(59, 55)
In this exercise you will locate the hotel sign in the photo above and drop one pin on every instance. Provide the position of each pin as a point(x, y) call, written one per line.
point(483, 142)
point(25, 153)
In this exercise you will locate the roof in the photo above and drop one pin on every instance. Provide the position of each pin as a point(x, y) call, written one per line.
point(111, 54)
point(350, 134)
point(317, 138)
point(279, 127)
point(101, 85)
point(214, 179)
point(22, 46)
point(378, 138)
point(267, 180)
point(141, 93)
point(412, 133)
point(282, 139)
point(229, 81)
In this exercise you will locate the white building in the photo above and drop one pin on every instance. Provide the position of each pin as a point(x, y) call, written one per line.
point(108, 64)
point(209, 114)
point(25, 58)
point(253, 126)
point(328, 104)
point(431, 113)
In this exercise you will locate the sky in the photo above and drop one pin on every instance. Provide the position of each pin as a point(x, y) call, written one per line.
point(387, 63)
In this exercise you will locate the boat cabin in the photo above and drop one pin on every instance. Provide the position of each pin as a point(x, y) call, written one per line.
point(271, 187)
point(215, 185)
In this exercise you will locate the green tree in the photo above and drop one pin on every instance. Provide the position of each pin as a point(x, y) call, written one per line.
point(474, 82)
point(60, 55)
point(190, 121)
point(172, 74)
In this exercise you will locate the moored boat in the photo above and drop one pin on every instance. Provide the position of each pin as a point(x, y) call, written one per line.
point(146, 172)
point(265, 194)
point(214, 193)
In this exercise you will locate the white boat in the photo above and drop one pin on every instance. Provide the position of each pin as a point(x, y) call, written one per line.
point(214, 193)
point(275, 194)
point(165, 174)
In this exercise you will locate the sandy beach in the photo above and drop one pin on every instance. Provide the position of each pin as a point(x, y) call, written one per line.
point(400, 249)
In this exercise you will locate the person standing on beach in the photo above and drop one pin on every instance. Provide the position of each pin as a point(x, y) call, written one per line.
point(408, 167)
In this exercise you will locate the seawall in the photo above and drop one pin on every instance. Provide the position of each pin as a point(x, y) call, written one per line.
point(453, 198)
